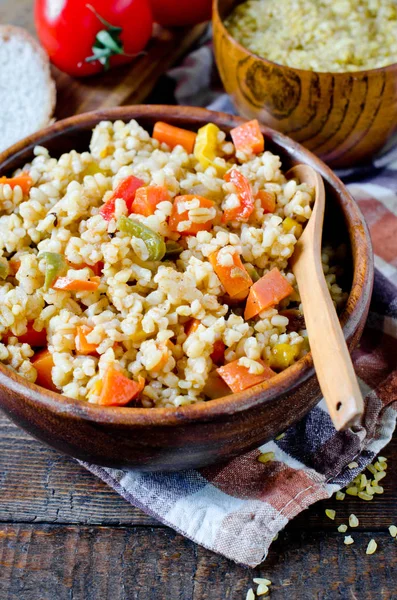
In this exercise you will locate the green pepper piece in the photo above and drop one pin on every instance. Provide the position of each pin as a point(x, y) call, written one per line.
point(153, 241)
point(173, 250)
point(55, 266)
point(252, 272)
point(4, 268)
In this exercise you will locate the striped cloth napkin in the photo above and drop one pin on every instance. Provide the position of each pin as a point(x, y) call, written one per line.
point(237, 509)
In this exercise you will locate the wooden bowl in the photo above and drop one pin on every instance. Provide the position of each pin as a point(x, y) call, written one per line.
point(201, 434)
point(344, 118)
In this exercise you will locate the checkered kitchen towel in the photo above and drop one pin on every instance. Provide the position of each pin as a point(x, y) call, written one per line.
point(237, 509)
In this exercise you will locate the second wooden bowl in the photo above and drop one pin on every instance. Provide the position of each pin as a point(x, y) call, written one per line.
point(201, 434)
point(344, 118)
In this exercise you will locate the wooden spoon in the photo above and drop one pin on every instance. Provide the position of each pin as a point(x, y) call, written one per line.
point(334, 368)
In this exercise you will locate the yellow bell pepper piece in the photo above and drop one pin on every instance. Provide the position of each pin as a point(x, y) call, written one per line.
point(283, 355)
point(205, 148)
point(289, 225)
point(92, 169)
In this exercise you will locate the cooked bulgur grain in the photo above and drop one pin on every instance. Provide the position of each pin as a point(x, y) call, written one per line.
point(319, 35)
point(121, 264)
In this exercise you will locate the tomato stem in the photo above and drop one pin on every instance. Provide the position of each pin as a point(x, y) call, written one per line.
point(107, 42)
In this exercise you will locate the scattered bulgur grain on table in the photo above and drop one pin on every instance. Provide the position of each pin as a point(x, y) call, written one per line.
point(262, 580)
point(353, 465)
point(393, 531)
point(262, 590)
point(353, 521)
point(266, 457)
point(371, 548)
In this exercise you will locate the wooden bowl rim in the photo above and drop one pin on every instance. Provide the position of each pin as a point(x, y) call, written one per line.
point(340, 74)
point(286, 381)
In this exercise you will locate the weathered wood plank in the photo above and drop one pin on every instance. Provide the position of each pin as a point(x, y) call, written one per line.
point(82, 563)
point(39, 484)
point(61, 491)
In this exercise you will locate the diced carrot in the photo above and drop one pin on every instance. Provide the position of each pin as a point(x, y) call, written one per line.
point(218, 352)
point(117, 389)
point(14, 264)
point(82, 345)
point(36, 339)
point(234, 278)
point(126, 190)
point(238, 377)
point(183, 217)
point(248, 137)
point(96, 268)
point(24, 181)
point(174, 136)
point(147, 198)
point(191, 326)
point(43, 363)
point(268, 201)
point(76, 285)
point(244, 193)
point(268, 291)
point(215, 387)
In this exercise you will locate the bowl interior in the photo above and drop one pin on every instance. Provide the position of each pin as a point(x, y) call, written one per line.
point(343, 224)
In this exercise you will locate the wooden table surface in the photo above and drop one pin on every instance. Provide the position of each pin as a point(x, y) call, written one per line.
point(64, 535)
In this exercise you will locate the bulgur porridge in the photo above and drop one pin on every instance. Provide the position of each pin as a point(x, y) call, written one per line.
point(153, 271)
point(319, 35)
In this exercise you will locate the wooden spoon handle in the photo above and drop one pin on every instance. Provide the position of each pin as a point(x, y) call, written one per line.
point(334, 368)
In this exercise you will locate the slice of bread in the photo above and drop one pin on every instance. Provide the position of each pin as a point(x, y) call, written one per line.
point(27, 91)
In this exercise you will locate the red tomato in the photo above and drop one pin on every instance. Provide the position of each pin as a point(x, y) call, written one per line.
point(172, 13)
point(83, 38)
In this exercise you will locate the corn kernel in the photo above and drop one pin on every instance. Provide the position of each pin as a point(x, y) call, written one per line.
point(352, 491)
point(342, 528)
point(283, 355)
point(348, 540)
point(340, 495)
point(292, 226)
point(330, 513)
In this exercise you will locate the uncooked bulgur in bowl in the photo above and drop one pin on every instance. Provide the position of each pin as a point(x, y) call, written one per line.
point(322, 72)
point(145, 281)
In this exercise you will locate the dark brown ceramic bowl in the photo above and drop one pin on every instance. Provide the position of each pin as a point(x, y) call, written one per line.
point(344, 118)
point(198, 435)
